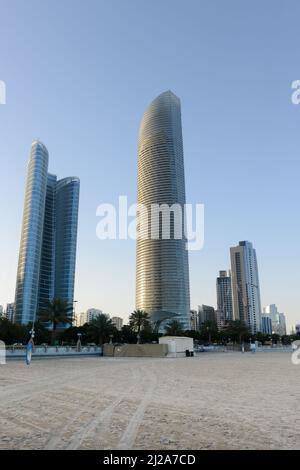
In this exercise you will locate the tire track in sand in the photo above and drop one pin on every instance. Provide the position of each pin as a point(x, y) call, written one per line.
point(129, 435)
point(104, 418)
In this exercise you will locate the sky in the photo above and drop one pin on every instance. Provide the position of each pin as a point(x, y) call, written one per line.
point(79, 76)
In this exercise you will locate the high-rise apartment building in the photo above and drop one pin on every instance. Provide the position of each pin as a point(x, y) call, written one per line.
point(92, 313)
point(282, 323)
point(46, 268)
point(162, 272)
point(224, 296)
point(80, 318)
point(206, 313)
point(194, 320)
point(222, 324)
point(245, 285)
point(118, 322)
point(10, 308)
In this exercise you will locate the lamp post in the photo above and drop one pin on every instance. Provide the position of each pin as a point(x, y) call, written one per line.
point(78, 346)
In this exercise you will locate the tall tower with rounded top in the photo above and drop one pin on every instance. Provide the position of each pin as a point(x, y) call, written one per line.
point(28, 274)
point(162, 273)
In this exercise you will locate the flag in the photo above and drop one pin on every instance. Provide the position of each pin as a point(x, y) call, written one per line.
point(28, 352)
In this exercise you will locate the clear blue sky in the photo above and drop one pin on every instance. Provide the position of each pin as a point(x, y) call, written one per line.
point(79, 75)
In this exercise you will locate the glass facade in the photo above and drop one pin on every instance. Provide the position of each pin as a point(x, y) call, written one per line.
point(26, 298)
point(67, 200)
point(46, 267)
point(162, 275)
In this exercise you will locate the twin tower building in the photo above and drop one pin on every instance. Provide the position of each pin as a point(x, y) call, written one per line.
point(46, 268)
point(47, 257)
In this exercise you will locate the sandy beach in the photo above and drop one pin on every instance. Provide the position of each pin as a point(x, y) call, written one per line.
point(213, 401)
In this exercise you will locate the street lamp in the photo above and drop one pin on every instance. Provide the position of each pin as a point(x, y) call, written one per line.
point(78, 346)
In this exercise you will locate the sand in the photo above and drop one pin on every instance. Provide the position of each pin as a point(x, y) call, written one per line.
point(213, 401)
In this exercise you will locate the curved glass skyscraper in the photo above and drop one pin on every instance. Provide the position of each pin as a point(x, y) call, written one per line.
point(162, 274)
point(47, 257)
point(32, 234)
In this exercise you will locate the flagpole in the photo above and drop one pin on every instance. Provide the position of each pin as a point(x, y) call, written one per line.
point(30, 344)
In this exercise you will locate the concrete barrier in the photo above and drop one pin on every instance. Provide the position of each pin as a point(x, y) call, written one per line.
point(135, 350)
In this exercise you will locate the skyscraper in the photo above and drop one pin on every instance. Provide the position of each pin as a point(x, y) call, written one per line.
point(224, 296)
point(46, 267)
point(245, 285)
point(162, 273)
point(278, 319)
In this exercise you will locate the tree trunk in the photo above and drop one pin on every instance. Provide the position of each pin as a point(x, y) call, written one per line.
point(139, 335)
point(53, 334)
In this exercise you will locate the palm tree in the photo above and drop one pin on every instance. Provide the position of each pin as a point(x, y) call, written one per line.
point(103, 325)
point(238, 329)
point(209, 328)
point(139, 320)
point(174, 328)
point(56, 312)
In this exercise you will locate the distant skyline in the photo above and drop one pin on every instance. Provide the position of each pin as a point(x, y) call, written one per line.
point(80, 82)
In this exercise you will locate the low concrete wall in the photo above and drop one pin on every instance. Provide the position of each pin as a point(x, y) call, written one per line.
point(135, 350)
point(52, 351)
